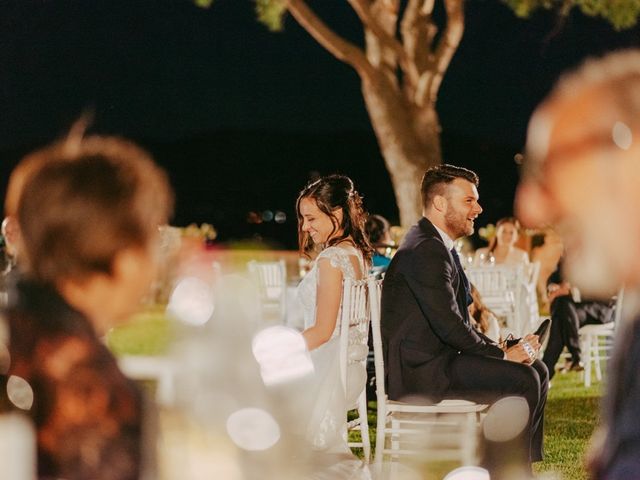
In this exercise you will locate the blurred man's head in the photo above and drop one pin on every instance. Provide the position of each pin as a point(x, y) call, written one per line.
point(582, 171)
point(90, 215)
point(31, 164)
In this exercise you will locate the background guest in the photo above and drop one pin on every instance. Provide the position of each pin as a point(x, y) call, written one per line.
point(502, 247)
point(568, 314)
point(547, 253)
point(88, 219)
point(378, 229)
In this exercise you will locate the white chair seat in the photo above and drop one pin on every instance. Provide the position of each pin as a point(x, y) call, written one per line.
point(445, 406)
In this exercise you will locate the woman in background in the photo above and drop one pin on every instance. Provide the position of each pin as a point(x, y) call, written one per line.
point(502, 247)
point(88, 218)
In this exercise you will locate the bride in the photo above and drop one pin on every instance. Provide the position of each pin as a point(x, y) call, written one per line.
point(331, 225)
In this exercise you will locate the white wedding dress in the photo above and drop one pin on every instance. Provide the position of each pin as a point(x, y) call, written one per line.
point(325, 399)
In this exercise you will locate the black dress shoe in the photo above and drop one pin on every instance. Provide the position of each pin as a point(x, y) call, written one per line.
point(543, 331)
point(572, 366)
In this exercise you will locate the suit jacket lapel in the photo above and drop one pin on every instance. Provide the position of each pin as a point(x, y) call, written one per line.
point(430, 231)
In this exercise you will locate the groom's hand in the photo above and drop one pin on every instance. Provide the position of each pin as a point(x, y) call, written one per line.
point(525, 351)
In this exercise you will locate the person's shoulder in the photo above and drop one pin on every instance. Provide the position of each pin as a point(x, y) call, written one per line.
point(521, 254)
point(424, 249)
point(338, 256)
point(343, 249)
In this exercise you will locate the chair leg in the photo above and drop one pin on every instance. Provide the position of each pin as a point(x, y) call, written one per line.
point(596, 356)
point(380, 431)
point(587, 361)
point(395, 437)
point(364, 427)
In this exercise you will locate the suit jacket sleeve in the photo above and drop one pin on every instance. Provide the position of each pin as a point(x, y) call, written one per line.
point(429, 274)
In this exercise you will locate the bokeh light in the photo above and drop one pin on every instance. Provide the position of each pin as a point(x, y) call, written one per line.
point(282, 355)
point(622, 136)
point(253, 429)
point(19, 392)
point(468, 473)
point(506, 419)
point(192, 301)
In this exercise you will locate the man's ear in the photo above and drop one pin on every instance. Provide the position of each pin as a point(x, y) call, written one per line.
point(11, 233)
point(440, 203)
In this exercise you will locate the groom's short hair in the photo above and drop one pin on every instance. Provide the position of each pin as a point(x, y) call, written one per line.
point(436, 178)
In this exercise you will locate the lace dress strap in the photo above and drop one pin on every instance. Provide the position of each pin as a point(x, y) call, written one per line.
point(339, 258)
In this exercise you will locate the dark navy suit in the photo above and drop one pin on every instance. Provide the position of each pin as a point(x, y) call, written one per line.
point(430, 347)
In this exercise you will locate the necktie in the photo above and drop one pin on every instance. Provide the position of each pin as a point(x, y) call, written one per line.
point(465, 280)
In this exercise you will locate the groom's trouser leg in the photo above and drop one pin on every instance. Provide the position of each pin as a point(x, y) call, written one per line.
point(486, 380)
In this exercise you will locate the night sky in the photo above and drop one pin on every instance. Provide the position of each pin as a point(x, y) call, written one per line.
point(242, 117)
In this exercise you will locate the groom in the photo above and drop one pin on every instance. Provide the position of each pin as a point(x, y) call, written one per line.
point(430, 348)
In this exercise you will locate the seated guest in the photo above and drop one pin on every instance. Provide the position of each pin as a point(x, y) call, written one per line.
point(482, 318)
point(377, 229)
point(546, 249)
point(88, 219)
point(431, 349)
point(568, 315)
point(502, 246)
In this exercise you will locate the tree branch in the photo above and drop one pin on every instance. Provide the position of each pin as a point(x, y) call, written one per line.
point(339, 47)
point(418, 31)
point(363, 10)
point(430, 80)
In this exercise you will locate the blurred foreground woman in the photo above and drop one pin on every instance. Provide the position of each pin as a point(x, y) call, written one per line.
point(88, 218)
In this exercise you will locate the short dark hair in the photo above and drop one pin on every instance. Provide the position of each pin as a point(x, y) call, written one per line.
point(87, 203)
point(436, 178)
point(375, 227)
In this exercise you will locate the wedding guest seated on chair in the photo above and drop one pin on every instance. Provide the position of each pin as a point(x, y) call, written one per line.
point(502, 247)
point(568, 315)
point(482, 318)
point(88, 219)
point(430, 348)
point(377, 229)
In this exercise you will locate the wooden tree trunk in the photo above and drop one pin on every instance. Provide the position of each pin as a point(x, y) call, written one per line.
point(409, 142)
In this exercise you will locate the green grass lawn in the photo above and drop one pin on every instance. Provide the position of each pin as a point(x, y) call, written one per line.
point(571, 414)
point(148, 333)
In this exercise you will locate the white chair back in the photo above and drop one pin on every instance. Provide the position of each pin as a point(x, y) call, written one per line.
point(271, 280)
point(354, 335)
point(597, 342)
point(354, 325)
point(501, 290)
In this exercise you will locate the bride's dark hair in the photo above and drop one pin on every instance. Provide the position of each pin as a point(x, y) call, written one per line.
point(330, 193)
